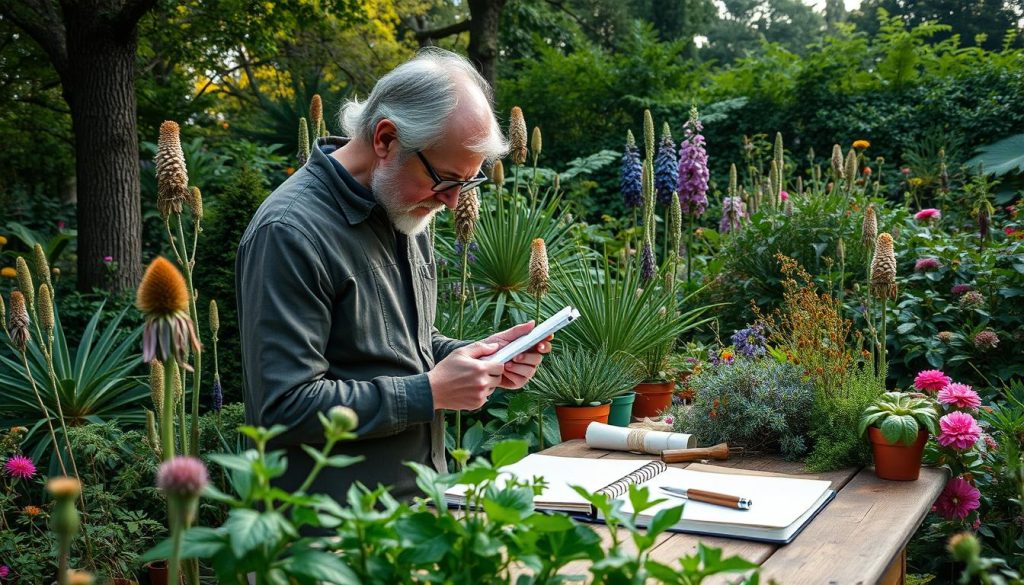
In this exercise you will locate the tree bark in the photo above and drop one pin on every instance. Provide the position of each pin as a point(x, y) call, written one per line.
point(99, 86)
point(483, 36)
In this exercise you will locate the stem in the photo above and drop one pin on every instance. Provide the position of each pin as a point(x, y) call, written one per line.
point(883, 350)
point(46, 413)
point(167, 416)
point(462, 318)
point(175, 516)
point(197, 377)
point(540, 408)
point(689, 260)
point(182, 433)
point(319, 465)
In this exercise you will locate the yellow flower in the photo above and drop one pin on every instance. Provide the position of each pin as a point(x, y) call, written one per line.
point(9, 272)
point(727, 355)
point(916, 181)
point(861, 144)
point(3, 240)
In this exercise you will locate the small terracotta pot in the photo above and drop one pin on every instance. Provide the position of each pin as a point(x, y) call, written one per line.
point(574, 420)
point(652, 398)
point(158, 573)
point(896, 461)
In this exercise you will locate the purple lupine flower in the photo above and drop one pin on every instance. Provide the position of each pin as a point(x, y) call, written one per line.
point(218, 394)
point(750, 342)
point(630, 178)
point(472, 246)
point(734, 211)
point(666, 169)
point(692, 182)
point(647, 267)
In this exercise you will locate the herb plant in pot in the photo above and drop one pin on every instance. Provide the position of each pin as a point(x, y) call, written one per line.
point(581, 384)
point(654, 393)
point(898, 424)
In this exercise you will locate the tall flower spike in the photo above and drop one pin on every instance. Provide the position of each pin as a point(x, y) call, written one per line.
point(734, 211)
point(648, 190)
point(675, 227)
point(869, 230)
point(535, 143)
point(498, 173)
point(217, 394)
point(303, 154)
point(838, 170)
point(538, 285)
point(630, 180)
point(883, 268)
point(171, 173)
point(666, 167)
point(779, 153)
point(214, 318)
point(692, 183)
point(467, 211)
point(647, 262)
point(156, 386)
point(773, 183)
point(163, 298)
point(732, 181)
point(648, 136)
point(517, 136)
point(42, 266)
point(25, 284)
point(195, 203)
point(18, 326)
point(44, 310)
point(851, 167)
point(316, 112)
point(3, 314)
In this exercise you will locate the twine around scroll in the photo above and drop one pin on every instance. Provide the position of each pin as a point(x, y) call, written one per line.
point(635, 440)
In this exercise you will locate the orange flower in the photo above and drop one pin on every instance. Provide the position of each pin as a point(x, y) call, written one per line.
point(8, 272)
point(32, 511)
point(163, 290)
point(861, 144)
point(288, 171)
point(866, 172)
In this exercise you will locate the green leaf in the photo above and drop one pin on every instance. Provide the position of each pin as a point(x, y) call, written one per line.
point(664, 520)
point(320, 566)
point(509, 506)
point(250, 529)
point(508, 452)
point(473, 437)
point(197, 543)
point(1002, 157)
point(906, 328)
point(549, 522)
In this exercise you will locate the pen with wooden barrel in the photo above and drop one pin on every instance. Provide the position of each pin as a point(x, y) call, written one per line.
point(710, 497)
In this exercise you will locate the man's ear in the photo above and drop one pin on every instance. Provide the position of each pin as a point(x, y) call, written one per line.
point(385, 138)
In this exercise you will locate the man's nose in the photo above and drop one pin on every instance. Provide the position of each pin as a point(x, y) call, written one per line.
point(450, 198)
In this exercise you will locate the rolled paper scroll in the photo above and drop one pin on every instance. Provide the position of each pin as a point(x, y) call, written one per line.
point(602, 436)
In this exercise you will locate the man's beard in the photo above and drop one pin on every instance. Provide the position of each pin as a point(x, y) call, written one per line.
point(384, 185)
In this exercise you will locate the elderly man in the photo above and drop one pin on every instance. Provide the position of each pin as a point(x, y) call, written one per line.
point(336, 281)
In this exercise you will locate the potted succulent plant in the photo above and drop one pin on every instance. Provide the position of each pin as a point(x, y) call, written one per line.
point(654, 393)
point(898, 424)
point(581, 384)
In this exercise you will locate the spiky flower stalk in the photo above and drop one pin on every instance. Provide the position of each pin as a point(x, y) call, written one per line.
point(45, 312)
point(631, 175)
point(869, 229)
point(773, 185)
point(171, 173)
point(19, 326)
point(467, 212)
point(538, 286)
point(536, 144)
point(647, 185)
point(195, 203)
point(648, 266)
point(883, 285)
point(692, 182)
point(303, 153)
point(25, 284)
point(851, 169)
point(675, 230)
point(838, 169)
point(778, 152)
point(218, 391)
point(648, 136)
point(666, 167)
point(42, 267)
point(731, 192)
point(517, 136)
point(156, 386)
point(498, 174)
point(3, 316)
point(316, 113)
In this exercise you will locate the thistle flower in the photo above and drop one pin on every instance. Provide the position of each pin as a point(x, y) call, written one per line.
point(538, 285)
point(156, 385)
point(171, 173)
point(692, 183)
point(734, 211)
point(20, 467)
point(467, 211)
point(42, 266)
point(18, 325)
point(25, 284)
point(648, 136)
point(926, 264)
point(217, 394)
point(838, 170)
point(31, 511)
point(536, 143)
point(64, 487)
point(182, 476)
point(869, 229)
point(517, 136)
point(195, 203)
point(498, 173)
point(987, 339)
point(647, 264)
point(316, 112)
point(883, 268)
point(45, 310)
point(631, 174)
point(666, 169)
point(163, 298)
point(303, 154)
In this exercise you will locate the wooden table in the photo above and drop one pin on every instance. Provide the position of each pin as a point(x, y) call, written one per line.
point(859, 538)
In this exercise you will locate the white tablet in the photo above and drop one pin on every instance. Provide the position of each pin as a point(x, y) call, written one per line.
point(538, 334)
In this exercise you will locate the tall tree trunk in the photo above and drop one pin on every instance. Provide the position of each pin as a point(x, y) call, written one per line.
point(483, 36)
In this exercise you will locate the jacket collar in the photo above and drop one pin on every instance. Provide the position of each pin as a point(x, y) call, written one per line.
point(354, 207)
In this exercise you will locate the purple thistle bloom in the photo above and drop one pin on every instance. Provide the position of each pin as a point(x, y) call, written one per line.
point(692, 182)
point(750, 342)
point(734, 211)
point(666, 170)
point(632, 192)
point(218, 394)
point(959, 289)
point(926, 264)
point(647, 267)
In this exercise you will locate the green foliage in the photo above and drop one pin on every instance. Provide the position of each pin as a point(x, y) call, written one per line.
point(1002, 157)
point(760, 404)
point(837, 444)
point(900, 416)
point(584, 377)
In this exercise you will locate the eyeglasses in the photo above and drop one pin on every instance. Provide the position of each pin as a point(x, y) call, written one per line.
point(441, 185)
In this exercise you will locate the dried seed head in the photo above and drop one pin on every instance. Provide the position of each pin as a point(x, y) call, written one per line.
point(18, 326)
point(535, 143)
point(467, 211)
point(195, 203)
point(538, 285)
point(851, 167)
point(316, 111)
point(214, 318)
point(837, 162)
point(303, 154)
point(156, 385)
point(42, 266)
point(883, 268)
point(44, 311)
point(517, 136)
point(25, 284)
point(869, 231)
point(498, 173)
point(171, 173)
point(163, 290)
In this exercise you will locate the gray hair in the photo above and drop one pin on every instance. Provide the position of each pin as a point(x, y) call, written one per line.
point(419, 96)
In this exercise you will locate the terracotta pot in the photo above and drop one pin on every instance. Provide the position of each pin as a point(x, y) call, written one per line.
point(573, 420)
point(622, 408)
point(652, 398)
point(158, 573)
point(123, 581)
point(897, 462)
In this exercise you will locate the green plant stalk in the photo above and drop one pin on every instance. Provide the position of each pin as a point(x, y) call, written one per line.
point(46, 413)
point(317, 467)
point(540, 407)
point(182, 430)
point(63, 558)
point(462, 317)
point(689, 260)
point(198, 359)
point(174, 515)
point(883, 350)
point(167, 416)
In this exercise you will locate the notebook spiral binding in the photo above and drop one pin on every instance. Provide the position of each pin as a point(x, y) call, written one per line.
point(621, 486)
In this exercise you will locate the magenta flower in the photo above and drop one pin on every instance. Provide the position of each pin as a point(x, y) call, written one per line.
point(960, 396)
point(931, 380)
point(959, 430)
point(182, 476)
point(958, 499)
point(783, 196)
point(20, 467)
point(108, 259)
point(693, 175)
point(926, 264)
point(959, 289)
point(928, 214)
point(4, 571)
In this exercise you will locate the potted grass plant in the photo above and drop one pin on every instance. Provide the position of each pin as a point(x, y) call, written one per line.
point(654, 393)
point(898, 424)
point(580, 384)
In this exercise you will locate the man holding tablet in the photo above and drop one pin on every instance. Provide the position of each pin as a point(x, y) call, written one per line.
point(336, 285)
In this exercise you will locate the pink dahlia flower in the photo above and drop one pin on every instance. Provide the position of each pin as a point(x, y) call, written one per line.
point(958, 499)
point(4, 571)
point(926, 264)
point(932, 380)
point(958, 430)
point(928, 214)
point(960, 396)
point(20, 467)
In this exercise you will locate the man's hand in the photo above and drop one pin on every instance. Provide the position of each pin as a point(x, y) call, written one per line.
point(521, 368)
point(462, 381)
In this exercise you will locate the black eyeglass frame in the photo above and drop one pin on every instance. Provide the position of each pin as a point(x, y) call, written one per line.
point(442, 185)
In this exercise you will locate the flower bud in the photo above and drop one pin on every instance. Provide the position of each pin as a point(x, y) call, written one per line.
point(343, 419)
point(964, 546)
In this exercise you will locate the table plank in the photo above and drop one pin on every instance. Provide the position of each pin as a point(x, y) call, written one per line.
point(855, 538)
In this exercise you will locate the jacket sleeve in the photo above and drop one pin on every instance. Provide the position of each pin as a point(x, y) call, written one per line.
point(442, 346)
point(285, 297)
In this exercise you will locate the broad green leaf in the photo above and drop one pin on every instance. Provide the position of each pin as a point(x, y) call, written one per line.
point(508, 452)
point(319, 565)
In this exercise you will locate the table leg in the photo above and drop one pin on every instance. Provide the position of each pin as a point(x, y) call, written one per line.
point(896, 574)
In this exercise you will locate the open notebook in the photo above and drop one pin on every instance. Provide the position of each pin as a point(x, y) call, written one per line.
point(782, 506)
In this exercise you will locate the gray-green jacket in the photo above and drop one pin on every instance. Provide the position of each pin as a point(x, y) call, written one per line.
point(337, 308)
